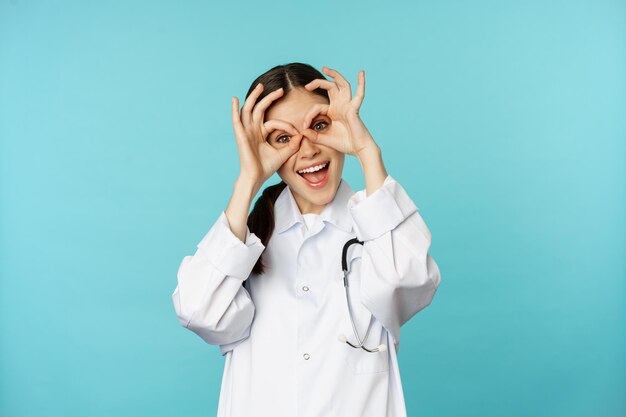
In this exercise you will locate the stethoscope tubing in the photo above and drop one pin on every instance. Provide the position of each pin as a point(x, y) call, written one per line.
point(344, 267)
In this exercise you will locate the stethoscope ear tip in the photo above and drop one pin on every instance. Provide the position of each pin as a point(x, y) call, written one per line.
point(342, 338)
point(382, 348)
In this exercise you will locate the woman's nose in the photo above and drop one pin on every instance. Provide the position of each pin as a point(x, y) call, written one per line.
point(308, 146)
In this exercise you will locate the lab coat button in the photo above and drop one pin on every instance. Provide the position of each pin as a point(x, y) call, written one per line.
point(305, 288)
point(306, 356)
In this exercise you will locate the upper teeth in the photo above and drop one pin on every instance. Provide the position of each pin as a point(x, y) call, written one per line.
point(313, 169)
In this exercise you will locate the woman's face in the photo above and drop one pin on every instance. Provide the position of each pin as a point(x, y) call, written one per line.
point(312, 191)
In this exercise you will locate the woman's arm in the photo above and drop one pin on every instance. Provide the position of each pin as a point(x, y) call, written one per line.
point(398, 275)
point(210, 299)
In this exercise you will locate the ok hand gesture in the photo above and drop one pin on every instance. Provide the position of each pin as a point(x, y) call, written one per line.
point(347, 133)
point(258, 159)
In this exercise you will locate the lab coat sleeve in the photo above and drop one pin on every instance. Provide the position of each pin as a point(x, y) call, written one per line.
point(210, 299)
point(398, 275)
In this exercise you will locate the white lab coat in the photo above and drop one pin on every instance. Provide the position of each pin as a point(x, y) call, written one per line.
point(279, 331)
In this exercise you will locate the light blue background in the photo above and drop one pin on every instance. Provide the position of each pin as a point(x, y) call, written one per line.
point(503, 120)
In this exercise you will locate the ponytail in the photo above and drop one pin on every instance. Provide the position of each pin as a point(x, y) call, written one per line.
point(261, 219)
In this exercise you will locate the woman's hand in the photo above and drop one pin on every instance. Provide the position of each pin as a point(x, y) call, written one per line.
point(346, 132)
point(258, 159)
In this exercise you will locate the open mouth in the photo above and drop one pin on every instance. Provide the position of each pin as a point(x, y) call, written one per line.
point(317, 176)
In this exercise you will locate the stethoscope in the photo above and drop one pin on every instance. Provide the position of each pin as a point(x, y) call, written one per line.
point(342, 338)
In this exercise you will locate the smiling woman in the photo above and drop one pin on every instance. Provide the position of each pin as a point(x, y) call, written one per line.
point(267, 286)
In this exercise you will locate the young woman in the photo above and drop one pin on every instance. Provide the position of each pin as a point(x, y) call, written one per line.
point(300, 337)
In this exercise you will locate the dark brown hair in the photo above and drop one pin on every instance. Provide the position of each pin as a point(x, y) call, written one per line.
point(288, 76)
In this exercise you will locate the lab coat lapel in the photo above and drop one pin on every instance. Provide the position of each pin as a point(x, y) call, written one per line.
point(286, 211)
point(336, 212)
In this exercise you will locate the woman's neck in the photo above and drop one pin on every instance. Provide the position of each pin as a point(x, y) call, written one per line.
point(307, 207)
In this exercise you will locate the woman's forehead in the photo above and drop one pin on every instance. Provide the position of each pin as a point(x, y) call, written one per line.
point(294, 107)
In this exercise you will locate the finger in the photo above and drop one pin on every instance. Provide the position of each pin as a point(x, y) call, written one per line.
point(315, 111)
point(237, 126)
point(249, 103)
point(292, 147)
point(338, 77)
point(261, 106)
point(360, 90)
point(310, 134)
point(320, 83)
point(272, 125)
point(318, 138)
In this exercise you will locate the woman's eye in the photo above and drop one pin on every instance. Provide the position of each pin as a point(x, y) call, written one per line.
point(322, 123)
point(283, 139)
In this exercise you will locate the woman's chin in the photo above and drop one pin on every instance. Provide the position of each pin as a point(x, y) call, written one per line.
point(315, 198)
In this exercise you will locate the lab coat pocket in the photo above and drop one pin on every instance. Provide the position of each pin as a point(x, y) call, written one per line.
point(364, 362)
point(360, 360)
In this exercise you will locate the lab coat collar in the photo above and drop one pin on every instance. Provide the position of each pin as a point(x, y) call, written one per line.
point(287, 213)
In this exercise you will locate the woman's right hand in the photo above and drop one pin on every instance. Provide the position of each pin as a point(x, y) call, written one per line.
point(258, 159)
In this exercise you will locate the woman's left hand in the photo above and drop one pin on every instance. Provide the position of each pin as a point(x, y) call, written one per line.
point(346, 132)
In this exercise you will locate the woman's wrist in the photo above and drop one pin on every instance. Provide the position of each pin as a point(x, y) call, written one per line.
point(248, 184)
point(239, 205)
point(371, 161)
point(369, 152)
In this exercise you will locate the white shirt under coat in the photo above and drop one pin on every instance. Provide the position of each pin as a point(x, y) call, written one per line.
point(278, 331)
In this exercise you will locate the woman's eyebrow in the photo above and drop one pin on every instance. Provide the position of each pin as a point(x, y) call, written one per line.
point(280, 129)
point(317, 117)
point(277, 132)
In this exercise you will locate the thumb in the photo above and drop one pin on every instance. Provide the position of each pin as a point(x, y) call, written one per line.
point(292, 147)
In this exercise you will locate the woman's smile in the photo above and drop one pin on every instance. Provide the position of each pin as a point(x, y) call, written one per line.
point(316, 175)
